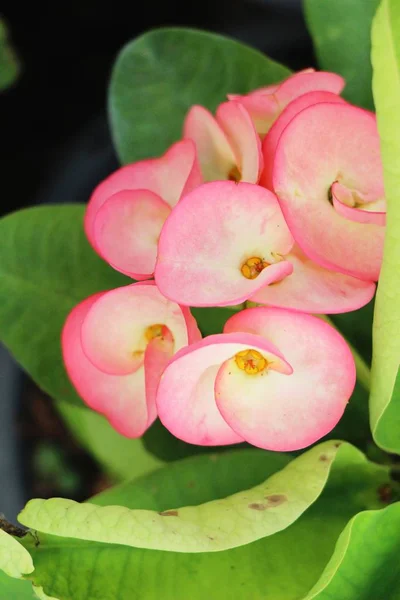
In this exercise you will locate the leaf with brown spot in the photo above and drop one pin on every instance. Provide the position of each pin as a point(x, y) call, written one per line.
point(257, 506)
point(276, 499)
point(169, 513)
point(283, 566)
point(228, 520)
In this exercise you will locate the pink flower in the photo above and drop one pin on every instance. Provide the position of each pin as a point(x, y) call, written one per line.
point(127, 210)
point(115, 346)
point(277, 379)
point(225, 243)
point(271, 140)
point(228, 146)
point(327, 174)
point(265, 104)
point(308, 238)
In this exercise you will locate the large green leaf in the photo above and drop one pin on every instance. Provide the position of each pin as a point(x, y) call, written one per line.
point(15, 589)
point(46, 268)
point(384, 404)
point(284, 566)
point(39, 593)
point(121, 457)
point(9, 65)
point(14, 559)
point(341, 33)
point(365, 564)
point(158, 76)
point(213, 526)
point(15, 562)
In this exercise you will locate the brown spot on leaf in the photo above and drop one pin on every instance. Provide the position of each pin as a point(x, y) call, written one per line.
point(337, 445)
point(385, 493)
point(257, 506)
point(169, 513)
point(324, 458)
point(276, 499)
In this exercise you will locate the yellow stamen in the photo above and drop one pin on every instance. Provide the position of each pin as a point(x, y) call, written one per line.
point(253, 267)
point(251, 361)
point(154, 331)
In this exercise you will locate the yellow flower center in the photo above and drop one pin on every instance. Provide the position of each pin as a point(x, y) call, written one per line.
point(251, 361)
point(155, 331)
point(253, 267)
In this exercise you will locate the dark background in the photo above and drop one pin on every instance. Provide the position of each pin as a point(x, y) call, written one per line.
point(55, 147)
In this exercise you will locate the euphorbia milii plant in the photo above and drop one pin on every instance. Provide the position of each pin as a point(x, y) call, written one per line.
point(191, 295)
point(311, 243)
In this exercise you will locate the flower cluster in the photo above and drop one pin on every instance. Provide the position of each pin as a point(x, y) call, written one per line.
point(277, 200)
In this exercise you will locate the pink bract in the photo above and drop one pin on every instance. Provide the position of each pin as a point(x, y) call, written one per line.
point(228, 146)
point(215, 230)
point(211, 234)
point(312, 288)
point(265, 104)
point(277, 379)
point(113, 374)
point(272, 138)
point(344, 202)
point(323, 145)
point(126, 211)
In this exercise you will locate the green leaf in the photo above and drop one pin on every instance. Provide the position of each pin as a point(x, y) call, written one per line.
point(341, 34)
point(158, 76)
point(284, 566)
point(39, 593)
point(354, 425)
point(365, 564)
point(121, 457)
point(9, 65)
point(15, 589)
point(214, 526)
point(46, 268)
point(162, 444)
point(356, 326)
point(212, 320)
point(384, 404)
point(15, 561)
